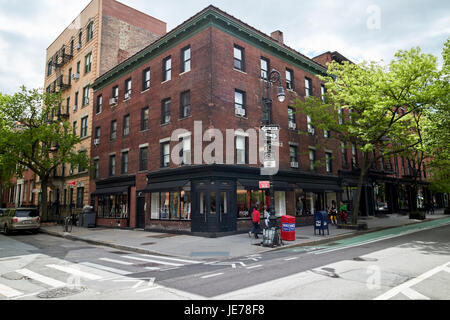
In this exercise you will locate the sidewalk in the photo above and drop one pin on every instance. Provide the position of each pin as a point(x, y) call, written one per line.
point(219, 248)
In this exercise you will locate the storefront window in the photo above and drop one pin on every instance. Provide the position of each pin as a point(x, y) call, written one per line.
point(113, 206)
point(185, 205)
point(223, 203)
point(212, 201)
point(380, 196)
point(203, 202)
point(331, 199)
point(242, 205)
point(171, 205)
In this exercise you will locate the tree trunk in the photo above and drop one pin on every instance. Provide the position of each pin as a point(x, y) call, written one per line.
point(44, 205)
point(357, 197)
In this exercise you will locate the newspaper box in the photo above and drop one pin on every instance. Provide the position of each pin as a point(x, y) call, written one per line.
point(288, 228)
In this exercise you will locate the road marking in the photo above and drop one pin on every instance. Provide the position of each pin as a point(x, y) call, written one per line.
point(113, 270)
point(75, 272)
point(404, 286)
point(253, 267)
point(170, 259)
point(290, 259)
point(38, 277)
point(152, 268)
point(25, 296)
point(212, 275)
point(156, 261)
point(148, 289)
point(414, 295)
point(9, 292)
point(116, 261)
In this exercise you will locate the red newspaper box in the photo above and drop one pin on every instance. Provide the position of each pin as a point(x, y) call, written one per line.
point(288, 228)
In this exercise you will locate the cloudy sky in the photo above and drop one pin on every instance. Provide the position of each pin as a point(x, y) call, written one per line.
point(359, 29)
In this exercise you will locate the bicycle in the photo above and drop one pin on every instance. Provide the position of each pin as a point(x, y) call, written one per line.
point(67, 224)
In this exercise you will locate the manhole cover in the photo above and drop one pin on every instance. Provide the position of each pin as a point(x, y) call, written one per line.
point(13, 276)
point(60, 293)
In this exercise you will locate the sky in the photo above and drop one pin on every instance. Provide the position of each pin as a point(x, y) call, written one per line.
point(361, 30)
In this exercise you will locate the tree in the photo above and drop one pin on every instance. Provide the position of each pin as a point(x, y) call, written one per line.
point(34, 137)
point(373, 107)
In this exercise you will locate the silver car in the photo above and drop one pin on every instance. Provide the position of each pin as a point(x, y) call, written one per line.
point(19, 219)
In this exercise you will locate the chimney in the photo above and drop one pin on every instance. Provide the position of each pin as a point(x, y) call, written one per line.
point(278, 36)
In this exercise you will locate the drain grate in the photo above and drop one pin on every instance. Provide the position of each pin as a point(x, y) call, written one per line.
point(60, 293)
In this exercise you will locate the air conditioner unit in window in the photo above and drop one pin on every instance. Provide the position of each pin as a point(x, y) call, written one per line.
point(75, 108)
point(292, 125)
point(96, 142)
point(76, 76)
point(240, 112)
point(127, 95)
point(78, 46)
point(294, 164)
point(113, 101)
point(86, 101)
point(311, 131)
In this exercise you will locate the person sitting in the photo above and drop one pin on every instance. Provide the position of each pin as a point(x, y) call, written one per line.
point(333, 213)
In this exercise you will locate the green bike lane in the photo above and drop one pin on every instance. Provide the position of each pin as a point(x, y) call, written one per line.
point(371, 236)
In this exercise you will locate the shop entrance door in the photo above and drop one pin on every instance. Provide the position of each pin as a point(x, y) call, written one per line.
point(140, 214)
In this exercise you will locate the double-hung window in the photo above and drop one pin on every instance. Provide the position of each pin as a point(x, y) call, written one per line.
point(328, 162)
point(126, 126)
point(143, 159)
point(167, 69)
point(308, 87)
point(113, 133)
point(88, 63)
point(185, 105)
point(239, 58)
point(265, 66)
point(185, 59)
point(289, 79)
point(84, 127)
point(146, 79)
point(112, 165)
point(144, 119)
point(291, 117)
point(239, 103)
point(293, 153)
point(99, 106)
point(85, 96)
point(312, 159)
point(185, 153)
point(90, 31)
point(240, 150)
point(165, 111)
point(344, 155)
point(127, 89)
point(125, 162)
point(165, 154)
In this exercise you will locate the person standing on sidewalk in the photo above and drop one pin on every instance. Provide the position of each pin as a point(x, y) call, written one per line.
point(256, 218)
point(267, 216)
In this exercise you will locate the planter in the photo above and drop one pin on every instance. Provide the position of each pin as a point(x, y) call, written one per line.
point(417, 215)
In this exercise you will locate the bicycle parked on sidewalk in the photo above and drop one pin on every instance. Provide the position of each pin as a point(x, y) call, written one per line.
point(67, 224)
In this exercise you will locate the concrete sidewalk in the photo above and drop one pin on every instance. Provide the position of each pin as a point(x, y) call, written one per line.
point(218, 248)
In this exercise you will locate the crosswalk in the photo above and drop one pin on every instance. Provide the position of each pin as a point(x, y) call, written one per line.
point(29, 275)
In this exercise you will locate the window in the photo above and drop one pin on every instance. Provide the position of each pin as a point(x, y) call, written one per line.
point(291, 118)
point(340, 116)
point(143, 159)
point(165, 111)
point(146, 79)
point(354, 157)
point(323, 92)
point(49, 68)
point(125, 162)
point(88, 63)
point(85, 96)
point(167, 69)
point(112, 165)
point(68, 105)
point(165, 155)
point(99, 106)
point(344, 154)
point(185, 107)
point(328, 162)
point(185, 59)
point(239, 58)
point(289, 79)
point(144, 119)
point(239, 103)
point(80, 167)
point(326, 134)
point(127, 89)
point(84, 127)
point(186, 151)
point(293, 151)
point(311, 130)
point(98, 131)
point(312, 159)
point(308, 87)
point(96, 169)
point(90, 31)
point(113, 134)
point(71, 47)
point(69, 81)
point(126, 125)
point(74, 128)
point(80, 37)
point(265, 66)
point(78, 67)
point(240, 150)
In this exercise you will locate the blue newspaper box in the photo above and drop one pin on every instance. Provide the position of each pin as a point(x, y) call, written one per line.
point(321, 222)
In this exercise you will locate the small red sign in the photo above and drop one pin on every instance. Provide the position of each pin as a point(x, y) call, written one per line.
point(264, 184)
point(72, 184)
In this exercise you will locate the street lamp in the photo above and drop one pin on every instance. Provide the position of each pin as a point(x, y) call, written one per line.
point(274, 77)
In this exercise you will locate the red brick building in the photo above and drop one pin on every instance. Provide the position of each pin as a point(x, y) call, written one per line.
point(209, 72)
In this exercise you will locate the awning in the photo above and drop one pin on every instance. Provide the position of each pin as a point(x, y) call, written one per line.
point(113, 190)
point(254, 184)
point(314, 187)
point(166, 186)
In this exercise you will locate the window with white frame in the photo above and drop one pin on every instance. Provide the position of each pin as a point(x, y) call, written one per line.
point(308, 87)
point(185, 59)
point(167, 69)
point(240, 150)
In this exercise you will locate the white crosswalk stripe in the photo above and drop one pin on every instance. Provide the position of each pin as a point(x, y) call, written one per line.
point(40, 278)
point(171, 259)
point(9, 292)
point(105, 268)
point(156, 261)
point(116, 261)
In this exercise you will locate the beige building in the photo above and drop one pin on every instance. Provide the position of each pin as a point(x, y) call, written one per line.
point(104, 34)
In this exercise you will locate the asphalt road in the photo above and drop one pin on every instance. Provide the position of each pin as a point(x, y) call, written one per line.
point(404, 264)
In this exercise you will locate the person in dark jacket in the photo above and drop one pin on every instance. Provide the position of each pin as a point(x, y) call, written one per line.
point(256, 218)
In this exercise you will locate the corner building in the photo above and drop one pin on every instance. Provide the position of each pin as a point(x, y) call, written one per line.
point(211, 71)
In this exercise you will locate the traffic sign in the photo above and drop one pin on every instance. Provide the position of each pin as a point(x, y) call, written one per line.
point(270, 128)
point(264, 184)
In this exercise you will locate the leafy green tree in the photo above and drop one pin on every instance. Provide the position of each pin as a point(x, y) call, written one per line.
point(374, 107)
point(34, 137)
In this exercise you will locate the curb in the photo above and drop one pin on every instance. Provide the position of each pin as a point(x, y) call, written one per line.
point(289, 246)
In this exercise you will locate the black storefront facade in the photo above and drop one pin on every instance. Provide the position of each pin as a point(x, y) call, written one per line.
point(216, 200)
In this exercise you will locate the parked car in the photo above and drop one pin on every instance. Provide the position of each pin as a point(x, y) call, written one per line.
point(19, 219)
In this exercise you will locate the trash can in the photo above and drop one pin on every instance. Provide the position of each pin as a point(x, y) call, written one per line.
point(89, 217)
point(288, 228)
